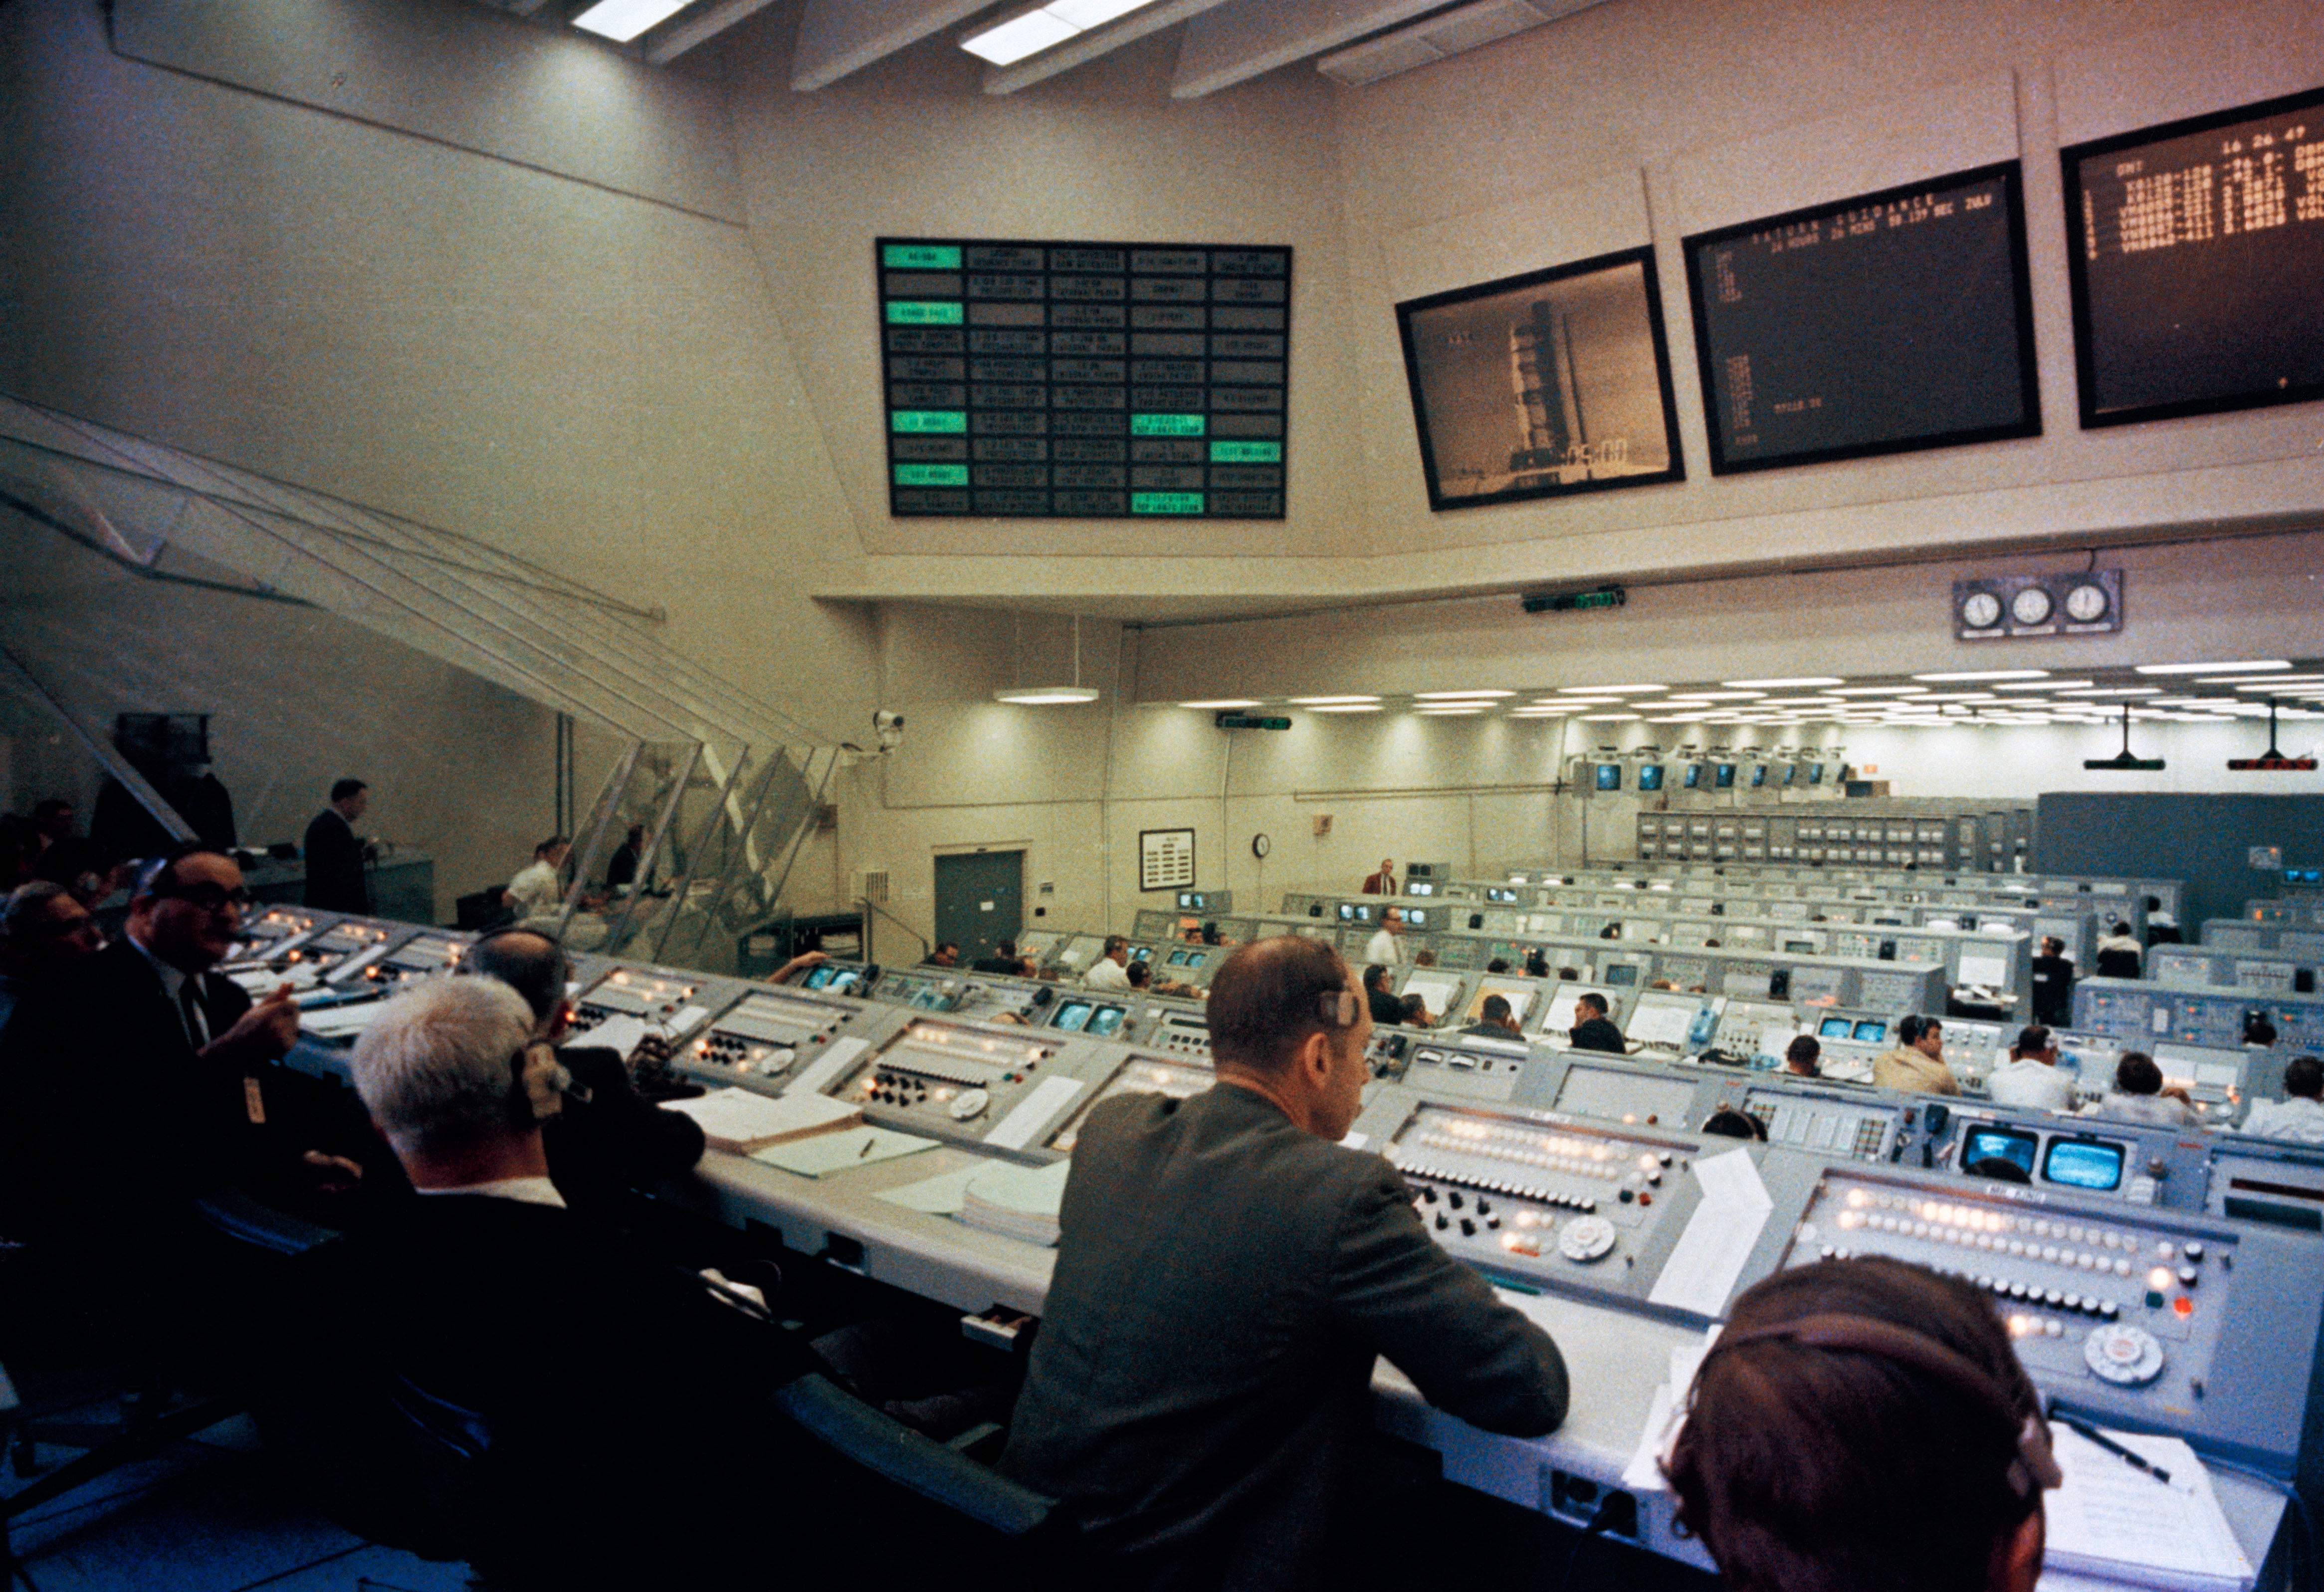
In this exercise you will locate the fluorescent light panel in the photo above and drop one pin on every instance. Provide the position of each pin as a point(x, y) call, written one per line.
point(2245, 666)
point(1030, 33)
point(1989, 674)
point(1046, 696)
point(1331, 700)
point(623, 19)
point(1460, 695)
point(1346, 707)
point(1224, 702)
point(1798, 680)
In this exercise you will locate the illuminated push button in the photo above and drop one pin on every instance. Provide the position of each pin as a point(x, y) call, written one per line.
point(2182, 1307)
point(2164, 1251)
point(2108, 1310)
point(2127, 1356)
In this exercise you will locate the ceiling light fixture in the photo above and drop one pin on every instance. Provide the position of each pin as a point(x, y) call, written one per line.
point(2248, 665)
point(1611, 690)
point(1346, 707)
point(1799, 680)
point(1989, 674)
point(1030, 31)
point(1448, 712)
point(1074, 694)
point(1881, 691)
point(1224, 702)
point(2088, 691)
point(2048, 686)
point(623, 19)
point(1460, 696)
point(1331, 701)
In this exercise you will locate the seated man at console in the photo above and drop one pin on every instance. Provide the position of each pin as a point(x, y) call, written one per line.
point(1865, 1423)
point(2300, 1115)
point(1141, 978)
point(607, 1140)
point(1917, 1065)
point(1111, 969)
point(1385, 1007)
point(137, 1078)
point(2139, 1096)
point(2031, 1076)
point(1226, 1274)
point(1592, 1028)
point(591, 1363)
point(1494, 1021)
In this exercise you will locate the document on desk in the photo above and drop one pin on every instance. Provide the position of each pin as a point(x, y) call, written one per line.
point(741, 1122)
point(842, 1151)
point(2115, 1522)
point(339, 1022)
point(1664, 1415)
point(941, 1195)
point(619, 1033)
point(1046, 1098)
point(1017, 1201)
point(828, 1066)
point(1709, 1255)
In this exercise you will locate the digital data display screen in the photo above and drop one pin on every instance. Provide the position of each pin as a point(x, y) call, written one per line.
point(1085, 381)
point(2083, 1163)
point(1072, 1016)
point(1609, 777)
point(2195, 251)
point(1650, 776)
point(1816, 773)
point(1871, 1033)
point(1999, 1144)
point(1104, 1021)
point(1758, 775)
point(1620, 974)
point(1725, 776)
point(1693, 777)
point(1894, 321)
point(1833, 1029)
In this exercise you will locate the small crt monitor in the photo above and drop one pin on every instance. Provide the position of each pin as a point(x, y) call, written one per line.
point(1871, 1031)
point(1073, 1016)
point(1191, 901)
point(1723, 776)
point(1141, 953)
point(1347, 913)
point(1693, 778)
point(1836, 1028)
point(1758, 775)
point(1363, 912)
point(1417, 916)
point(2085, 1164)
point(2012, 1144)
point(1177, 959)
point(1195, 958)
point(1104, 1020)
point(1621, 974)
point(1609, 777)
point(1419, 888)
point(1650, 776)
point(1816, 773)
point(1791, 773)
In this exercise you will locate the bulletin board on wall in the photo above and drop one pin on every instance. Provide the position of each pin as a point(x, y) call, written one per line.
point(1165, 858)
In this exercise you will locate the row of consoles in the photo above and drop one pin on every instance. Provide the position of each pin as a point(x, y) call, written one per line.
point(2153, 1279)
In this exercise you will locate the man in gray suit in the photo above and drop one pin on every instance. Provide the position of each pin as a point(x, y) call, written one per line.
point(1226, 1274)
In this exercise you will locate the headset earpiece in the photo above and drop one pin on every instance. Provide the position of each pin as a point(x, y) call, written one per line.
point(1338, 1009)
point(540, 1083)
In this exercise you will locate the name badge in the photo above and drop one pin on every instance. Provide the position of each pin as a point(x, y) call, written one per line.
point(254, 1101)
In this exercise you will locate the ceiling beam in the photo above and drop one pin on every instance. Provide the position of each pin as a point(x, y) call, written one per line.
point(1249, 37)
point(1089, 46)
point(837, 37)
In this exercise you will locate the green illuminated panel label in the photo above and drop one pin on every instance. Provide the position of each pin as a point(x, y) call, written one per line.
point(932, 475)
point(902, 420)
point(922, 312)
point(1167, 426)
point(1246, 453)
point(1166, 502)
point(921, 256)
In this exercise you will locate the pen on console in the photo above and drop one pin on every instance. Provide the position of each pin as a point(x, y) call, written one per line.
point(866, 1149)
point(2134, 1460)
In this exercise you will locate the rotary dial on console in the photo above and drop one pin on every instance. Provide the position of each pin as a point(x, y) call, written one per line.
point(1586, 1238)
point(2123, 1354)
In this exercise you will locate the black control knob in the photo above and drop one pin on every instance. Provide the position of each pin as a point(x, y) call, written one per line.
point(2192, 1249)
point(2188, 1275)
point(1484, 1206)
point(1455, 1199)
point(1443, 1221)
point(1468, 1227)
point(1429, 1193)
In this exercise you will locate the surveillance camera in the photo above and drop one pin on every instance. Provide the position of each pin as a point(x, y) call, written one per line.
point(886, 720)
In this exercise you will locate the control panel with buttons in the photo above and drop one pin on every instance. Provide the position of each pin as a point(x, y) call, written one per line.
point(966, 1082)
point(759, 1041)
point(651, 994)
point(1178, 1076)
point(2118, 1312)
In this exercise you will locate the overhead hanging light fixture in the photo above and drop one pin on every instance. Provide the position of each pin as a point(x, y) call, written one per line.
point(1074, 694)
point(2124, 763)
point(2272, 761)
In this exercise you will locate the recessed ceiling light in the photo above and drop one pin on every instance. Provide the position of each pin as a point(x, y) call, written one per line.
point(1957, 696)
point(2115, 691)
point(1880, 691)
point(1347, 707)
point(1460, 695)
point(1989, 674)
point(2245, 666)
point(2276, 683)
point(1681, 719)
point(1450, 712)
point(1576, 702)
point(1609, 718)
point(1611, 690)
point(1725, 695)
point(1047, 696)
point(623, 19)
point(1007, 42)
point(1331, 701)
point(2046, 686)
point(1224, 702)
point(1800, 680)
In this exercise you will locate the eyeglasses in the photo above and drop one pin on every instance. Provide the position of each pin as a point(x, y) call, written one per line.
point(209, 898)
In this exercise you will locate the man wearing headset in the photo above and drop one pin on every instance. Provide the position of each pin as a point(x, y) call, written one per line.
point(1865, 1423)
point(592, 1364)
point(1226, 1274)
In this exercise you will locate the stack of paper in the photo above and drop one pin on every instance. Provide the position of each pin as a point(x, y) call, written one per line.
point(1018, 1201)
point(2113, 1521)
point(739, 1121)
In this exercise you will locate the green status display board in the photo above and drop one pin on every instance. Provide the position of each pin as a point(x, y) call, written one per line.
point(1085, 381)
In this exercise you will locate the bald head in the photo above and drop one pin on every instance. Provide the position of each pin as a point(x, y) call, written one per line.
point(1269, 995)
point(528, 961)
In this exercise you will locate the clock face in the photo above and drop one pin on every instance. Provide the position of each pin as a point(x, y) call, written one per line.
point(2085, 604)
point(1260, 845)
point(1981, 610)
point(2031, 606)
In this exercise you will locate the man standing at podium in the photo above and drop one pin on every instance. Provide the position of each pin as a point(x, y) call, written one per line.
point(1227, 1272)
point(334, 856)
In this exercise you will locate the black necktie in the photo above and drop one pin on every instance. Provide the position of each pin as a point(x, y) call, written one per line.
point(189, 1006)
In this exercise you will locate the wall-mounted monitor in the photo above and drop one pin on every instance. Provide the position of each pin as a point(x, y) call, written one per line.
point(1724, 776)
point(1791, 773)
point(1816, 773)
point(1758, 775)
point(1650, 775)
point(1542, 385)
point(1417, 916)
point(1693, 779)
point(2195, 249)
point(1883, 323)
point(1609, 776)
